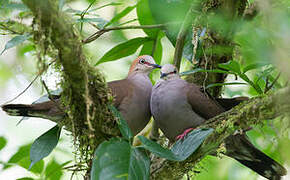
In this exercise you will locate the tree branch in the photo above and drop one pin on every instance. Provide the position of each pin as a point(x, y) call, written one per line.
point(247, 114)
point(187, 23)
point(97, 34)
point(85, 94)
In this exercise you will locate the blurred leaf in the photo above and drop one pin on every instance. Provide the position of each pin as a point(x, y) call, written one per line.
point(36, 169)
point(44, 144)
point(255, 86)
point(122, 124)
point(53, 170)
point(101, 22)
point(204, 70)
point(3, 142)
point(158, 150)
point(145, 17)
point(124, 49)
point(22, 152)
point(182, 149)
point(224, 84)
point(109, 4)
point(25, 178)
point(253, 66)
point(118, 16)
point(116, 159)
point(15, 41)
point(25, 49)
point(148, 48)
point(61, 3)
point(231, 66)
point(18, 6)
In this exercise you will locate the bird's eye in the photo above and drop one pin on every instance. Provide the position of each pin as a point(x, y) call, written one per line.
point(142, 61)
point(175, 71)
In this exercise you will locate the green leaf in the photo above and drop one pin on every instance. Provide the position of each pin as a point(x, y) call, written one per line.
point(224, 84)
point(22, 152)
point(148, 48)
point(118, 16)
point(15, 41)
point(25, 178)
point(53, 170)
point(101, 22)
point(124, 49)
point(233, 66)
point(182, 149)
point(109, 4)
point(253, 66)
point(145, 17)
point(116, 159)
point(44, 144)
point(157, 149)
point(3, 142)
point(36, 169)
point(123, 126)
point(204, 70)
point(255, 86)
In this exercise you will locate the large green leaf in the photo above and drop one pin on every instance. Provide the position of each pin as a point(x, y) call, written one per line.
point(182, 149)
point(123, 126)
point(117, 159)
point(233, 66)
point(118, 16)
point(124, 49)
point(44, 144)
point(145, 17)
point(3, 142)
point(177, 10)
point(148, 48)
point(15, 41)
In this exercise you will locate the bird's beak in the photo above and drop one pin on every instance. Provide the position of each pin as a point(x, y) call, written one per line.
point(163, 75)
point(156, 65)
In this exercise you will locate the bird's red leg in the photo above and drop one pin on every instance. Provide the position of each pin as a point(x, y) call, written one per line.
point(181, 136)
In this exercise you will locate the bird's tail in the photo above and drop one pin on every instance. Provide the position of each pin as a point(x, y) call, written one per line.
point(47, 110)
point(240, 148)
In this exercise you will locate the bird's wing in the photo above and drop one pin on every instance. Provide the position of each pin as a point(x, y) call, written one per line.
point(120, 89)
point(201, 103)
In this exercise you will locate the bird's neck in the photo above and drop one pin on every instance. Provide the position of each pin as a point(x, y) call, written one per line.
point(139, 77)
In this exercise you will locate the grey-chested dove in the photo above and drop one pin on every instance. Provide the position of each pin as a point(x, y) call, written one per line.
point(131, 97)
point(178, 106)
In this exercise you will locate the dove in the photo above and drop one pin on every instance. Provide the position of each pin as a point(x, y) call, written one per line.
point(131, 98)
point(178, 107)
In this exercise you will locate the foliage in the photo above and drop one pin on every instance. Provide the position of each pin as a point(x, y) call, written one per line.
point(259, 63)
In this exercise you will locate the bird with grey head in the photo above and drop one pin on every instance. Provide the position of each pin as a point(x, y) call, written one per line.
point(178, 107)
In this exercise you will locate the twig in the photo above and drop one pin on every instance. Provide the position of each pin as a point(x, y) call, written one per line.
point(182, 34)
point(267, 88)
point(30, 84)
point(22, 91)
point(97, 34)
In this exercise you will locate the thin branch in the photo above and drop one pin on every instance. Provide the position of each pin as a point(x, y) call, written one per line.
point(97, 34)
point(267, 88)
point(180, 40)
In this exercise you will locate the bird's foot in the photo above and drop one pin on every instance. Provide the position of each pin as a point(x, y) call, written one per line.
point(182, 136)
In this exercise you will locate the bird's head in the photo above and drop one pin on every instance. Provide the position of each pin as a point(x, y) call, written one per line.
point(143, 64)
point(169, 71)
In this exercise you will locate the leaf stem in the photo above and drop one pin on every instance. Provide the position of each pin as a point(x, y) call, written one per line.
point(97, 34)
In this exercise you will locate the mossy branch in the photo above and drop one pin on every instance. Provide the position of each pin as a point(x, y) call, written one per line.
point(85, 94)
point(243, 116)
